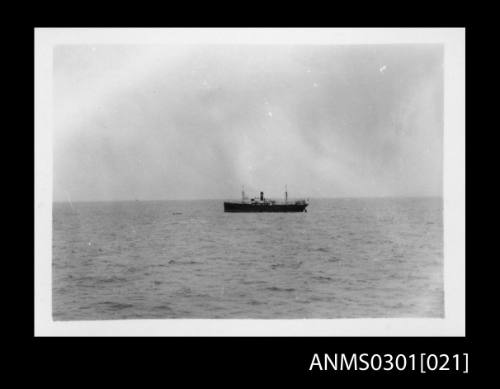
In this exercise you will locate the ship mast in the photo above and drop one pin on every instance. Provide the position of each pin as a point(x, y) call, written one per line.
point(243, 193)
point(286, 194)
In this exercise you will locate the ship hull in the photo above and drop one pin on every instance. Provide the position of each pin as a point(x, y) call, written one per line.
point(243, 207)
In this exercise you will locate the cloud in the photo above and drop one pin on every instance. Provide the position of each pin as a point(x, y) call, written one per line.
point(156, 122)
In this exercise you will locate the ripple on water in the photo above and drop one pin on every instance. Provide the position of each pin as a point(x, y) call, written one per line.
point(344, 258)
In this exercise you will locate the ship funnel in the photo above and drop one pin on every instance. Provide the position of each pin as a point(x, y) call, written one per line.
point(261, 196)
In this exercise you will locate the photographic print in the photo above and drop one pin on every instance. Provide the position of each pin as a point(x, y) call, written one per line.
point(226, 180)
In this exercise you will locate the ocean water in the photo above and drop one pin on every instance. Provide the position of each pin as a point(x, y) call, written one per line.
point(344, 258)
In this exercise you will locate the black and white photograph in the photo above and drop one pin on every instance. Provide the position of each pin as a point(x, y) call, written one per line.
point(291, 179)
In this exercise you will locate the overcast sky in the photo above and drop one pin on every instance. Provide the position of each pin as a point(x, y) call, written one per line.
point(187, 122)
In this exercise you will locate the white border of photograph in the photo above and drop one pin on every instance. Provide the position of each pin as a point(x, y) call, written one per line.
point(453, 324)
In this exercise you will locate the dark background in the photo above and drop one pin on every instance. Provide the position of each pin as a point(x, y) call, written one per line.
point(237, 361)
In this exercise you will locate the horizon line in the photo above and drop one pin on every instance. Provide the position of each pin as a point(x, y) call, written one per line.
point(232, 199)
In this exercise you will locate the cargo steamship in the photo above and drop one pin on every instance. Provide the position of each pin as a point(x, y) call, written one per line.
point(261, 204)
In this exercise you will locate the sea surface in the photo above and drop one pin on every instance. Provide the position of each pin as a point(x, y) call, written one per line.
point(344, 258)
